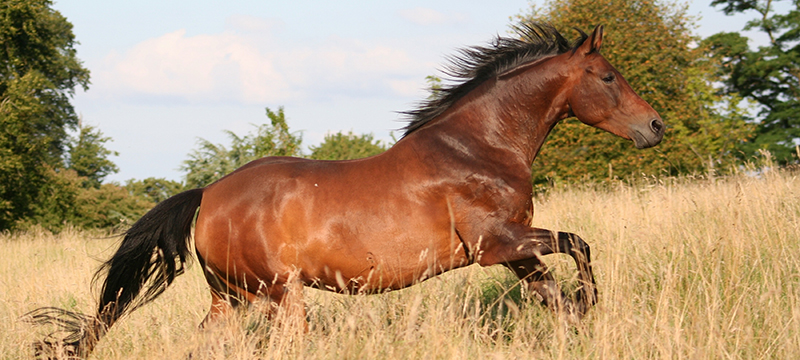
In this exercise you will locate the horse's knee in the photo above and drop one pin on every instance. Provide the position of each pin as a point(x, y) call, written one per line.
point(572, 243)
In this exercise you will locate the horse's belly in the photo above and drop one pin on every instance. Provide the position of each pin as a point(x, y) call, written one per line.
point(361, 265)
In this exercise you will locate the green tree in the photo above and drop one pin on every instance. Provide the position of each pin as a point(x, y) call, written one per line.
point(57, 196)
point(770, 75)
point(650, 43)
point(39, 72)
point(109, 206)
point(76, 195)
point(346, 147)
point(153, 189)
point(88, 156)
point(434, 85)
point(66, 199)
point(213, 161)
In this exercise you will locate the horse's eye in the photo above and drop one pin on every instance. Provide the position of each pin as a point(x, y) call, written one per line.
point(608, 78)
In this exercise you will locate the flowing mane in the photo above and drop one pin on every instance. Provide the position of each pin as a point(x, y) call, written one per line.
point(472, 66)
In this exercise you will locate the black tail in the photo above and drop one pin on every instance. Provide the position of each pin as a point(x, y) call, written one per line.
point(151, 255)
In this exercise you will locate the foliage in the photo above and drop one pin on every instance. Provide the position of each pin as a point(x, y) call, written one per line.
point(346, 147)
point(89, 157)
point(68, 197)
point(434, 85)
point(108, 207)
point(154, 189)
point(75, 195)
point(38, 74)
point(58, 198)
point(213, 161)
point(650, 43)
point(65, 199)
point(770, 75)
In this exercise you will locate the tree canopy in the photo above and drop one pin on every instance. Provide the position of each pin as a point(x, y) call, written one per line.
point(47, 177)
point(75, 194)
point(39, 71)
point(88, 156)
point(348, 146)
point(153, 189)
point(213, 161)
point(769, 75)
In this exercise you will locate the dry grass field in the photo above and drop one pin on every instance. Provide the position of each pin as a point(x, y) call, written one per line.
point(686, 269)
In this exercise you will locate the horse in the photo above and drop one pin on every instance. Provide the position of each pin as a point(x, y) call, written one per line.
point(455, 190)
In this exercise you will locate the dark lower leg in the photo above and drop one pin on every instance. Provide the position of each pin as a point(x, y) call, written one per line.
point(586, 295)
point(531, 243)
point(539, 281)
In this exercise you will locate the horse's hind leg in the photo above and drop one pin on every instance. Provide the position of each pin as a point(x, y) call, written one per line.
point(226, 297)
point(221, 309)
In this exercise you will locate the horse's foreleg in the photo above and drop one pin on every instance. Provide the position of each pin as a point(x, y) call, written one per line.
point(539, 281)
point(526, 244)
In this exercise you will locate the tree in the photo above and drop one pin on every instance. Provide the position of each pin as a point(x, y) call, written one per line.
point(650, 43)
point(66, 199)
point(108, 206)
point(434, 85)
point(154, 189)
point(346, 147)
point(770, 75)
point(39, 72)
point(213, 161)
point(88, 156)
point(76, 195)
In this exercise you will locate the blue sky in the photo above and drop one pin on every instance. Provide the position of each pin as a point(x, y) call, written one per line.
point(165, 73)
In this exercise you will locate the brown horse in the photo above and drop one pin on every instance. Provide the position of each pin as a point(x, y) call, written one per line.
point(455, 190)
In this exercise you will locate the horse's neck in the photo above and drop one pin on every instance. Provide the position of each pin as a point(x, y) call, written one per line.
point(513, 115)
point(537, 98)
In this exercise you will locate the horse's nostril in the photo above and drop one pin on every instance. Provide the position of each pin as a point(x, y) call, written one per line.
point(656, 125)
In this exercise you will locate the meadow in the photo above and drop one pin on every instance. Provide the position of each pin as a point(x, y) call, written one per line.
point(687, 268)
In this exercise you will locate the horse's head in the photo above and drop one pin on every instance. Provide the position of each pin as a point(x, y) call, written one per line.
point(602, 98)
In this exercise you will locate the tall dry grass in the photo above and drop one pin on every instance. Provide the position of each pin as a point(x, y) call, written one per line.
point(693, 269)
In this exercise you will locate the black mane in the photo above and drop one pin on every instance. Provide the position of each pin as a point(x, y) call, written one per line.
point(474, 65)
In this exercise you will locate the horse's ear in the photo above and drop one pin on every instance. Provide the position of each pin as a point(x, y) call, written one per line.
point(597, 38)
point(592, 42)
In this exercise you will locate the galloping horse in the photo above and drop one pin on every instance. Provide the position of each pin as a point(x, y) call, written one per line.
point(454, 191)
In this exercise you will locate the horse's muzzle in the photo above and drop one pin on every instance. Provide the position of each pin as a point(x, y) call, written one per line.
point(649, 136)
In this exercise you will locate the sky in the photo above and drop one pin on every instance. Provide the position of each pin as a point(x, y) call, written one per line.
point(167, 73)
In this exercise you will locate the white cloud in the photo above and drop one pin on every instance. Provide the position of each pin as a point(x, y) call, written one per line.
point(252, 67)
point(194, 68)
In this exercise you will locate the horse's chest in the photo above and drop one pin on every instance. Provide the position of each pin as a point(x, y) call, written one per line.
point(498, 196)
